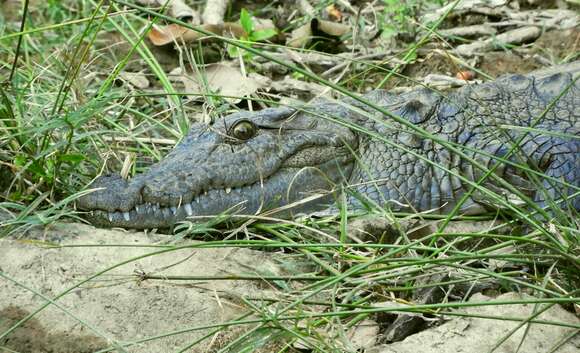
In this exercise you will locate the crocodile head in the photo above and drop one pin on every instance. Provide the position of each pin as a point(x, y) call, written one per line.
point(249, 161)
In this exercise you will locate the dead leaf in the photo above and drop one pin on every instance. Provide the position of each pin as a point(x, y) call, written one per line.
point(332, 28)
point(220, 79)
point(163, 35)
point(136, 79)
point(515, 36)
point(291, 85)
point(443, 81)
point(301, 36)
point(177, 9)
point(473, 31)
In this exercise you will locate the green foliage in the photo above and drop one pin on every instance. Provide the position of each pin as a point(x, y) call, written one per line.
point(246, 21)
point(251, 36)
point(398, 17)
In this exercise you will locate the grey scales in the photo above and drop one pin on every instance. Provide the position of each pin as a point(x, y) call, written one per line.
point(421, 151)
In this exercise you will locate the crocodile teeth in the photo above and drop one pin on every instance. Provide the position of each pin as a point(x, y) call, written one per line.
point(110, 217)
point(228, 190)
point(188, 209)
point(137, 208)
point(126, 216)
point(174, 209)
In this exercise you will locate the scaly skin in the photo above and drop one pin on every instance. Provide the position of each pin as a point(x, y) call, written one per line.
point(292, 154)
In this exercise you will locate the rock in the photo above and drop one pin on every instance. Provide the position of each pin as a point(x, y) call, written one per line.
point(471, 334)
point(364, 334)
point(408, 323)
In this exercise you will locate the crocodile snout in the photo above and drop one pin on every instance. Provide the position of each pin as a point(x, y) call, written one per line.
point(112, 193)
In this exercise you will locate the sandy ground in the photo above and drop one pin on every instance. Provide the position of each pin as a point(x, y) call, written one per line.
point(120, 307)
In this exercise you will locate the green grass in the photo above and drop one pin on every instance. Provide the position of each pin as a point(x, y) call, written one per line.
point(64, 119)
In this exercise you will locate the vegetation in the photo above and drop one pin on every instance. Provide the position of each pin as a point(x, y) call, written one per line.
point(67, 114)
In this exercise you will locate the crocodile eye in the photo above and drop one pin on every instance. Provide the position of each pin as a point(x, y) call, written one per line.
point(243, 130)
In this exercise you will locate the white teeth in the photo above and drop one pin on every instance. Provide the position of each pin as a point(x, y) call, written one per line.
point(228, 190)
point(188, 209)
point(110, 217)
point(126, 216)
point(157, 206)
point(205, 193)
point(137, 208)
point(174, 209)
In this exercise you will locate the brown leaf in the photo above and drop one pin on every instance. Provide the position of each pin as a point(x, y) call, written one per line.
point(300, 36)
point(222, 79)
point(136, 79)
point(162, 35)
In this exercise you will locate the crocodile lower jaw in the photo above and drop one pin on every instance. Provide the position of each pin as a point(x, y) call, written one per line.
point(151, 215)
point(279, 189)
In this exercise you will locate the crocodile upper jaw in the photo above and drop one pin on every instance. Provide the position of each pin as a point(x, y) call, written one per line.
point(290, 157)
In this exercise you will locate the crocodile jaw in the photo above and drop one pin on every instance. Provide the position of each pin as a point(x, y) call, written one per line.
point(281, 189)
point(207, 175)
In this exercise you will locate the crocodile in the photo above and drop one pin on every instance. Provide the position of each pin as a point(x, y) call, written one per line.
point(422, 150)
